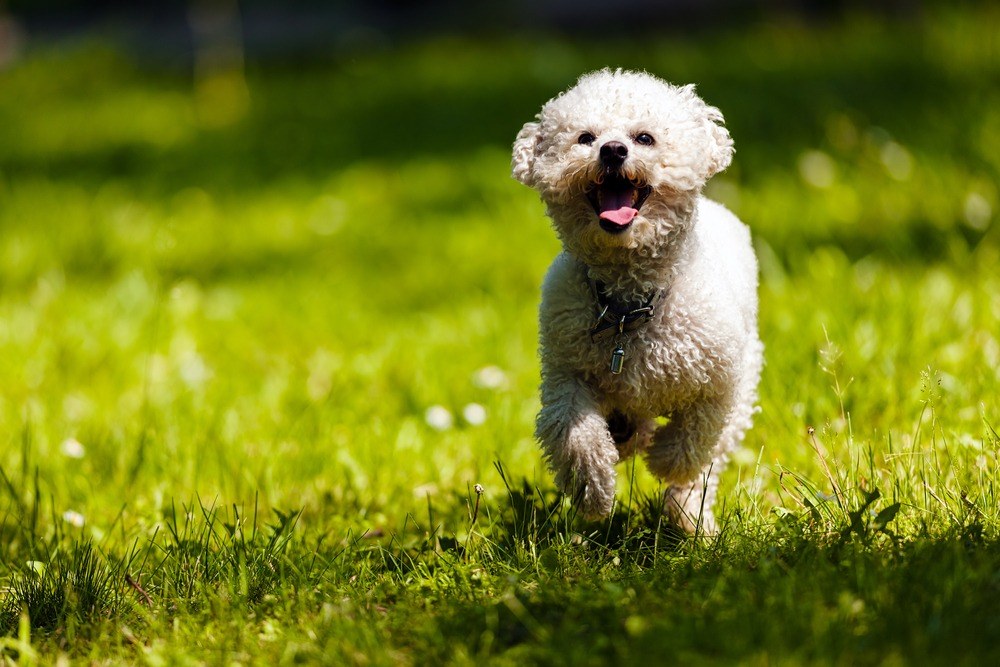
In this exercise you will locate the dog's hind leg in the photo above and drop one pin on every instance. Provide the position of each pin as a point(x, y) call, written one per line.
point(688, 453)
point(689, 506)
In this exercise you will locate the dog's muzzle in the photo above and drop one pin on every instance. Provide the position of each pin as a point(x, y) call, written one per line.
point(615, 197)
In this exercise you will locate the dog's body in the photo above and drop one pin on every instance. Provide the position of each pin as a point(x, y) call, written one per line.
point(651, 310)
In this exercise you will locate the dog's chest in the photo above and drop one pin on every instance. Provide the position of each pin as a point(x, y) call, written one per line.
point(662, 367)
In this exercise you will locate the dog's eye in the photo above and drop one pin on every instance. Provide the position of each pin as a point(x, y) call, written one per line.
point(644, 138)
point(586, 139)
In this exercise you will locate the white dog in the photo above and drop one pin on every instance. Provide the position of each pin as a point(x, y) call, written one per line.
point(650, 311)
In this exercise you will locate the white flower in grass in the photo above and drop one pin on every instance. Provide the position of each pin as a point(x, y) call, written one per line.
point(72, 448)
point(438, 418)
point(74, 518)
point(489, 377)
point(474, 414)
point(425, 490)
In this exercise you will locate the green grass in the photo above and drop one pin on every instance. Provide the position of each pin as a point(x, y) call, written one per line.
point(241, 297)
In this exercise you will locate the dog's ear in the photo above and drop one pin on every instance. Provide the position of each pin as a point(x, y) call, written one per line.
point(715, 151)
point(522, 163)
point(720, 144)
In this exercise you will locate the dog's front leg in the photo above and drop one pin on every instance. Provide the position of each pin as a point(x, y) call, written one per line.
point(579, 448)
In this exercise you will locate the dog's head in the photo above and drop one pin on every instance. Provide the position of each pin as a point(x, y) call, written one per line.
point(616, 155)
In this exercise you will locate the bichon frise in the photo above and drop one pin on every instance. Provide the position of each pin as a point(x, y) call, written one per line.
point(650, 311)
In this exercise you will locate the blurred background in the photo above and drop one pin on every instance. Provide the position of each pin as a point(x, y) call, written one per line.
point(398, 79)
point(171, 29)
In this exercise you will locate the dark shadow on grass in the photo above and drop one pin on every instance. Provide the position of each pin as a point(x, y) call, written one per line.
point(534, 520)
point(531, 529)
point(919, 242)
point(778, 590)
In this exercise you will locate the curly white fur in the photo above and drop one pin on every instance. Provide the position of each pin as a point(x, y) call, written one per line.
point(698, 361)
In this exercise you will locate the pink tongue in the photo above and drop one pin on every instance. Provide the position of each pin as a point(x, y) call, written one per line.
point(621, 216)
point(615, 207)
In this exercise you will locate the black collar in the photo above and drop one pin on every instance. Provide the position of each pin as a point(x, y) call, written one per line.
point(620, 317)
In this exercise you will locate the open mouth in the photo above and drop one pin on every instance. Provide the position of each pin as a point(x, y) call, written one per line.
point(617, 200)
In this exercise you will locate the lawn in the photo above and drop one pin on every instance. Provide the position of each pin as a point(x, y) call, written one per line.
point(269, 373)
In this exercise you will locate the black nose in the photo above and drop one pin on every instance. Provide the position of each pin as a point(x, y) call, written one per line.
point(613, 153)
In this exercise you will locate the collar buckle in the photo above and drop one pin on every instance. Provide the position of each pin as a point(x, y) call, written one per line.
point(621, 319)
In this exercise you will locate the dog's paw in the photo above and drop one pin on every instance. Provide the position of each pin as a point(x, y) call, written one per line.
point(585, 468)
point(590, 482)
point(592, 490)
point(692, 521)
point(689, 507)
